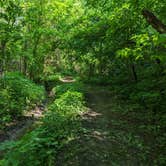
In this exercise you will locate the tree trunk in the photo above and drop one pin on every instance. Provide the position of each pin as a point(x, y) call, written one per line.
point(134, 72)
point(3, 61)
point(154, 21)
point(36, 43)
point(24, 59)
point(91, 71)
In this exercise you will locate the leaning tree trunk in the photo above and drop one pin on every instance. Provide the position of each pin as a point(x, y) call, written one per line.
point(155, 23)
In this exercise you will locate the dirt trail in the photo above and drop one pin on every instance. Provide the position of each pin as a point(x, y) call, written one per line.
point(110, 137)
point(19, 127)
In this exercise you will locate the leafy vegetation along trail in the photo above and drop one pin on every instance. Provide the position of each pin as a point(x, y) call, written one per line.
point(110, 136)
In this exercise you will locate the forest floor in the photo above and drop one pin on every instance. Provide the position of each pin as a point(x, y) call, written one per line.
point(21, 126)
point(112, 135)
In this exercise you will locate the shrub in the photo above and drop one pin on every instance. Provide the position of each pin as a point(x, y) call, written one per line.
point(51, 81)
point(17, 94)
point(71, 101)
point(98, 80)
point(60, 89)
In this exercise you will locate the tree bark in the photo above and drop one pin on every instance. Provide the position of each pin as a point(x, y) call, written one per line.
point(134, 72)
point(32, 73)
point(3, 60)
point(154, 21)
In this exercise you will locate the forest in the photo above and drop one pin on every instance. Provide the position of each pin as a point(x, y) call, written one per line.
point(82, 83)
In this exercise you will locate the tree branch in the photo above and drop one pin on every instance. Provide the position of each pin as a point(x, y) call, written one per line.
point(154, 21)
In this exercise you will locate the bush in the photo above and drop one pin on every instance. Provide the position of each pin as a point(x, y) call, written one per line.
point(146, 94)
point(98, 80)
point(51, 81)
point(71, 101)
point(60, 89)
point(17, 94)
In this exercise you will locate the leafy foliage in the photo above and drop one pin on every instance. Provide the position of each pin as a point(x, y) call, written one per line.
point(59, 126)
point(71, 101)
point(17, 94)
point(62, 88)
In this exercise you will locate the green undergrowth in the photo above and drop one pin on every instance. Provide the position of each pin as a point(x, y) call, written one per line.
point(58, 127)
point(136, 128)
point(61, 88)
point(17, 94)
point(51, 80)
point(98, 80)
point(144, 96)
point(144, 104)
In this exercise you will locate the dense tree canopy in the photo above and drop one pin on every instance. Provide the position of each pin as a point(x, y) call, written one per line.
point(93, 33)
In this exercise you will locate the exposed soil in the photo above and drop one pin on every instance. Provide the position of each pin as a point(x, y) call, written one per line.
point(67, 79)
point(19, 127)
point(111, 137)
